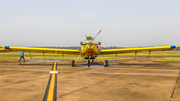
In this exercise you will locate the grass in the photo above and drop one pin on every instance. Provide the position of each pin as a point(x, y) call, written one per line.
point(69, 58)
point(160, 53)
point(55, 58)
point(27, 53)
point(106, 58)
point(170, 59)
point(12, 58)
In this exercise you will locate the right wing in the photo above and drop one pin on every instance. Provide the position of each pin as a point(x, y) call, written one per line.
point(134, 50)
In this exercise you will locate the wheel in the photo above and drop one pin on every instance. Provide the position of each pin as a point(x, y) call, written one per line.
point(73, 63)
point(88, 63)
point(106, 63)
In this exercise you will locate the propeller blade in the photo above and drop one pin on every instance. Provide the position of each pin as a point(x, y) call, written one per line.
point(97, 34)
point(84, 33)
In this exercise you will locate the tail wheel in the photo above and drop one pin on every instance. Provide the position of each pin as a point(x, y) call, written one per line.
point(88, 63)
point(106, 63)
point(73, 63)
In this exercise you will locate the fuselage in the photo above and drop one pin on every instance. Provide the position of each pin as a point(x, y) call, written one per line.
point(89, 48)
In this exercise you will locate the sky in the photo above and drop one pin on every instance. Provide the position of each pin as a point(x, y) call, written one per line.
point(124, 23)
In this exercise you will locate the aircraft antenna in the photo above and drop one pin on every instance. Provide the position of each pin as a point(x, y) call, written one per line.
point(84, 33)
point(97, 34)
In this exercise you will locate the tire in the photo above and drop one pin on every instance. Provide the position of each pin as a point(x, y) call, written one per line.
point(73, 63)
point(106, 63)
point(88, 63)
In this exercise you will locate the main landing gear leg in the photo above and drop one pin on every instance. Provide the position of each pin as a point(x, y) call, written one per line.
point(74, 62)
point(105, 62)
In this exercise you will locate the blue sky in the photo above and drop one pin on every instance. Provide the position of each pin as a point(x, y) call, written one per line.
point(126, 23)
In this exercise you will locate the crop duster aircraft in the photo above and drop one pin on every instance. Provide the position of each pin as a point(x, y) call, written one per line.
point(89, 49)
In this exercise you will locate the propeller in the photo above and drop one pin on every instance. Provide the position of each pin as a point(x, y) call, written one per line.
point(84, 33)
point(97, 34)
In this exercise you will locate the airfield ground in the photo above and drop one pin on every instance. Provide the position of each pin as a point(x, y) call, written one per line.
point(131, 80)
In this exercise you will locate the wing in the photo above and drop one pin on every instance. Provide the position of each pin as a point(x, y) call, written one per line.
point(3, 50)
point(138, 50)
point(42, 50)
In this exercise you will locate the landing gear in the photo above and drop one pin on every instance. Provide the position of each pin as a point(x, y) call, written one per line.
point(88, 63)
point(106, 63)
point(73, 63)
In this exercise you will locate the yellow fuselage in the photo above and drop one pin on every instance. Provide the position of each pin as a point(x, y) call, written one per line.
point(89, 50)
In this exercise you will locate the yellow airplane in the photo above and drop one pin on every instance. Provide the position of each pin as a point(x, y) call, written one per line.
point(90, 50)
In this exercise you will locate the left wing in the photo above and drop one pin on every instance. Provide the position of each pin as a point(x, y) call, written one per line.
point(41, 50)
point(3, 50)
point(136, 50)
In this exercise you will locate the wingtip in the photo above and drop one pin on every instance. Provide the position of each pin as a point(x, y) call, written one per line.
point(174, 46)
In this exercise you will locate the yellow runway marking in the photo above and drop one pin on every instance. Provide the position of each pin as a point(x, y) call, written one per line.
point(51, 88)
point(50, 94)
point(54, 69)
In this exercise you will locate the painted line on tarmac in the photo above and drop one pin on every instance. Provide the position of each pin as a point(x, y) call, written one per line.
point(51, 90)
point(145, 69)
point(94, 68)
point(22, 69)
point(117, 73)
point(174, 87)
point(24, 65)
point(94, 72)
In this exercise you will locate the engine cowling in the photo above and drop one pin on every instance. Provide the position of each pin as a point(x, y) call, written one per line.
point(99, 43)
point(81, 43)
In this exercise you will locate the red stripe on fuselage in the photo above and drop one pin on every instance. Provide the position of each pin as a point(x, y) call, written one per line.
point(90, 52)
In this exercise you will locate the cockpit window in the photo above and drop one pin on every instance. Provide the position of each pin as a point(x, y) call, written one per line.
point(89, 38)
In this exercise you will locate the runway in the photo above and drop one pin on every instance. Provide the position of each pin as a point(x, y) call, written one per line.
point(146, 80)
